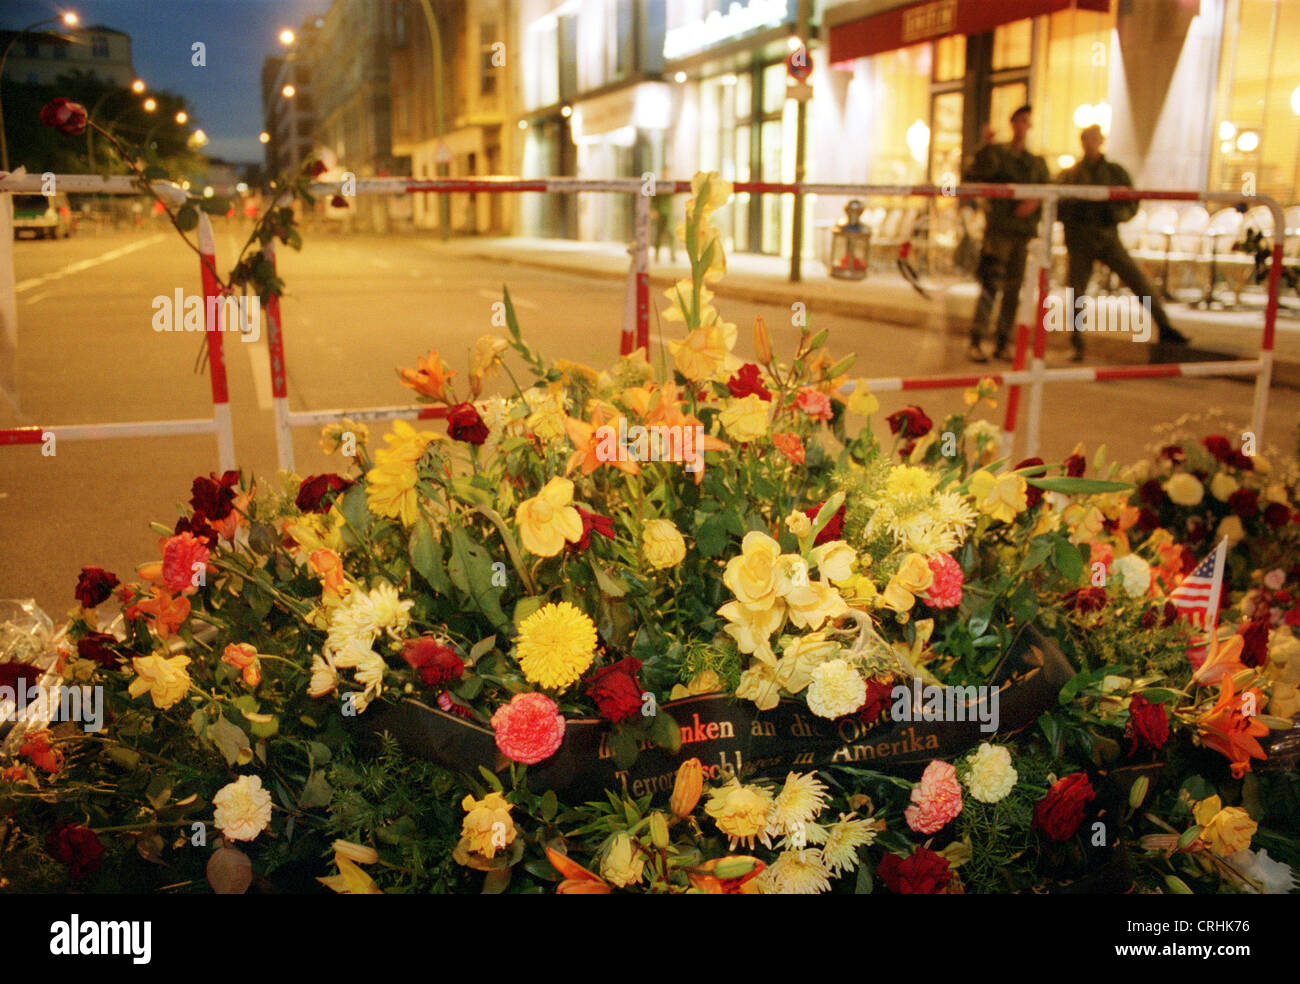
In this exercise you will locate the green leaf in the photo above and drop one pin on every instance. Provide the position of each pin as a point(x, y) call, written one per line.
point(471, 572)
point(427, 557)
point(623, 743)
point(864, 884)
point(1067, 559)
point(491, 778)
point(496, 881)
point(549, 805)
point(665, 732)
point(215, 204)
point(1079, 486)
point(1040, 548)
point(187, 219)
point(231, 741)
point(479, 648)
point(526, 606)
point(353, 506)
point(160, 789)
point(316, 792)
point(610, 586)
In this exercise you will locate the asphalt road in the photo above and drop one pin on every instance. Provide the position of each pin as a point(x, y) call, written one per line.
point(357, 308)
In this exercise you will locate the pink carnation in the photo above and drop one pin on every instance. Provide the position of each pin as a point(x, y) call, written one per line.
point(184, 555)
point(814, 403)
point(529, 728)
point(945, 592)
point(936, 800)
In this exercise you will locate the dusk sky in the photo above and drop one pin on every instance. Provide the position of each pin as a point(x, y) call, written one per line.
point(225, 95)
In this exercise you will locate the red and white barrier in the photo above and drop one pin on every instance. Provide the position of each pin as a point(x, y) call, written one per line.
point(220, 421)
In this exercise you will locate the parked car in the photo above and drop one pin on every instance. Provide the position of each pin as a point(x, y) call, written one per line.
point(42, 216)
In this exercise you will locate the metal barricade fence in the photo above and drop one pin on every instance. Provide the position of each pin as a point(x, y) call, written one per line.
point(219, 423)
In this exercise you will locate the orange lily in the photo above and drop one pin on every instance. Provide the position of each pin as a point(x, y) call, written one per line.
point(587, 440)
point(667, 412)
point(705, 880)
point(1223, 660)
point(577, 879)
point(164, 610)
point(431, 377)
point(1233, 734)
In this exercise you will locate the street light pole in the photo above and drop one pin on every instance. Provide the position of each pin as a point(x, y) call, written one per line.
point(70, 19)
point(435, 38)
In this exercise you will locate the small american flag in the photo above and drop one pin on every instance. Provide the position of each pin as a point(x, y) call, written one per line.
point(1197, 595)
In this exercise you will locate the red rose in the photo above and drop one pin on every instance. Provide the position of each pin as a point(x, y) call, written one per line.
point(880, 694)
point(464, 424)
point(1152, 493)
point(1196, 531)
point(94, 585)
point(1148, 519)
point(923, 872)
point(1171, 613)
point(591, 523)
point(338, 201)
point(747, 381)
point(197, 526)
point(76, 846)
point(16, 676)
point(1075, 465)
point(99, 646)
point(1244, 502)
point(434, 662)
point(1150, 617)
point(1058, 814)
point(1218, 446)
point(1241, 461)
point(911, 421)
point(64, 115)
point(313, 491)
point(1173, 453)
point(214, 497)
point(833, 530)
point(1254, 639)
point(318, 168)
point(1148, 725)
point(1033, 494)
point(1277, 514)
point(616, 690)
point(1085, 600)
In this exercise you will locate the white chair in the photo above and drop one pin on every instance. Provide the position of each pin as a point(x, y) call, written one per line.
point(1152, 254)
point(1223, 231)
point(1130, 232)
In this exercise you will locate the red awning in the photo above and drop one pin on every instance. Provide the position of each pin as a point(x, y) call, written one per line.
point(930, 19)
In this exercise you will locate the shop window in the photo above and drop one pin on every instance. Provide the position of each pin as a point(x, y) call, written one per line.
point(1013, 44)
point(950, 58)
point(774, 77)
point(99, 46)
point(1073, 84)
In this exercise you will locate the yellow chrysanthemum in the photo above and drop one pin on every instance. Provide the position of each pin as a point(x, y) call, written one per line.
point(796, 873)
point(845, 836)
point(739, 811)
point(556, 645)
point(800, 800)
point(909, 480)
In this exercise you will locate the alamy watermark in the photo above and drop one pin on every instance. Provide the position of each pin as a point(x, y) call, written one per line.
point(1128, 314)
point(926, 702)
point(84, 704)
point(186, 312)
point(658, 442)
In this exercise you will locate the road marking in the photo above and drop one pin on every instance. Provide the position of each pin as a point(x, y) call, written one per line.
point(80, 265)
point(38, 298)
point(493, 295)
point(260, 363)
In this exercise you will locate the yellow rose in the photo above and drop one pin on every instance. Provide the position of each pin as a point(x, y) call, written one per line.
point(759, 684)
point(1222, 486)
point(1185, 489)
point(487, 827)
point(165, 680)
point(798, 523)
point(243, 808)
point(756, 577)
point(834, 560)
point(1224, 831)
point(1230, 526)
point(752, 628)
point(701, 353)
point(548, 519)
point(914, 577)
point(812, 605)
point(622, 864)
point(862, 401)
point(662, 544)
point(746, 419)
point(739, 811)
point(1000, 497)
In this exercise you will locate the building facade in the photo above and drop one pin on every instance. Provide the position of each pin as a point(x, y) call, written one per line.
point(288, 101)
point(97, 51)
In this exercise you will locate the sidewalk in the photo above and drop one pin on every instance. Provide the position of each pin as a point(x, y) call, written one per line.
point(886, 297)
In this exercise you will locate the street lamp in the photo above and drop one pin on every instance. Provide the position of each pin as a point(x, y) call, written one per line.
point(137, 86)
point(150, 104)
point(264, 137)
point(288, 91)
point(182, 117)
point(287, 37)
point(68, 19)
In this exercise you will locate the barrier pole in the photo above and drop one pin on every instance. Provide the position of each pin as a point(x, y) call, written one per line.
point(1264, 378)
point(1013, 392)
point(8, 305)
point(1033, 425)
point(279, 380)
point(213, 311)
point(641, 264)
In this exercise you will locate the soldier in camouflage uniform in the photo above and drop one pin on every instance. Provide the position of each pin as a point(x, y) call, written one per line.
point(1011, 225)
point(1092, 233)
